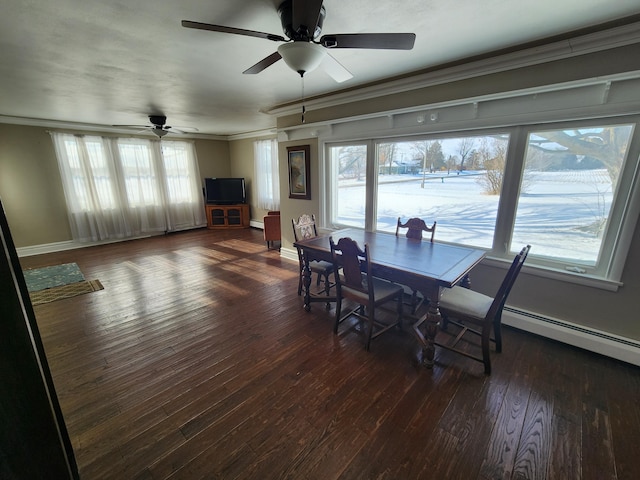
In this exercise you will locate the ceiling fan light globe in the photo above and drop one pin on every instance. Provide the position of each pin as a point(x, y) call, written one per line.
point(159, 132)
point(302, 57)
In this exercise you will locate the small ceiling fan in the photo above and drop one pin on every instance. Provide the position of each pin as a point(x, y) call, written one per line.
point(302, 51)
point(159, 128)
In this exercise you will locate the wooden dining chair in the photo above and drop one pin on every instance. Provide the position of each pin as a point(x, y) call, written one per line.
point(304, 228)
point(415, 227)
point(479, 314)
point(354, 281)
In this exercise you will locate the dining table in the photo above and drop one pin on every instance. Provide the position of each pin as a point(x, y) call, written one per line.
point(425, 266)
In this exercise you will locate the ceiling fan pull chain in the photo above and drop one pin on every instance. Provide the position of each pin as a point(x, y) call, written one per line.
point(302, 81)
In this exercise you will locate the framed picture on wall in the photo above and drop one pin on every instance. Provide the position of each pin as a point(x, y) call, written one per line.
point(299, 174)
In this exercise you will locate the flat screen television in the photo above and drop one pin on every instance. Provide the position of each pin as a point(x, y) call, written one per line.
point(225, 191)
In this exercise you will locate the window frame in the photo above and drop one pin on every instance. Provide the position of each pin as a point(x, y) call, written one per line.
point(621, 221)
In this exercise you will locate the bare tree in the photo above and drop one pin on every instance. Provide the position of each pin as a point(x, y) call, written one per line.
point(608, 145)
point(451, 163)
point(465, 149)
point(352, 161)
point(419, 150)
point(386, 154)
point(435, 155)
point(492, 153)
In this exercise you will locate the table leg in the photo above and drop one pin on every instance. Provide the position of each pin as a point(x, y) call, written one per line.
point(431, 320)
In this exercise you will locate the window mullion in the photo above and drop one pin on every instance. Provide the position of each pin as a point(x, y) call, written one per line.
point(616, 244)
point(371, 187)
point(510, 190)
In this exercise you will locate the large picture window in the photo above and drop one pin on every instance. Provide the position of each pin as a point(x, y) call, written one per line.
point(568, 188)
point(456, 181)
point(348, 189)
point(557, 188)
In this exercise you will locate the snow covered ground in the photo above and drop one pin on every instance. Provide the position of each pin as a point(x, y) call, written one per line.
point(559, 213)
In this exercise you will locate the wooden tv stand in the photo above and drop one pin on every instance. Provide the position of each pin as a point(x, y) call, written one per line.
point(228, 216)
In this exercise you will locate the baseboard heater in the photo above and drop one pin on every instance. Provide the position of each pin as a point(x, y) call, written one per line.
point(603, 343)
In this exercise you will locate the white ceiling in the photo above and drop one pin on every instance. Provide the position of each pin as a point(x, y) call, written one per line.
point(112, 62)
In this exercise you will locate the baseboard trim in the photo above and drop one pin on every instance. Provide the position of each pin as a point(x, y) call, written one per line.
point(597, 341)
point(603, 343)
point(289, 253)
point(47, 248)
point(67, 245)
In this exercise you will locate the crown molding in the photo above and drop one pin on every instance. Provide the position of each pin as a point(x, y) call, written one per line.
point(270, 133)
point(563, 49)
point(87, 127)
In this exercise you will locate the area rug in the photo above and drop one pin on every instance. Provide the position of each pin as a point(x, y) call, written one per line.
point(64, 291)
point(54, 276)
point(49, 284)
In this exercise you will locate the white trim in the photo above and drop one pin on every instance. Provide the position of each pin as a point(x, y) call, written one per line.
point(88, 127)
point(270, 133)
point(470, 112)
point(68, 245)
point(289, 253)
point(560, 275)
point(612, 38)
point(48, 248)
point(603, 343)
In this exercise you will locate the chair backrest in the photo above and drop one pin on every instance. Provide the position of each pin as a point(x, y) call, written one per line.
point(304, 227)
point(354, 262)
point(510, 278)
point(415, 227)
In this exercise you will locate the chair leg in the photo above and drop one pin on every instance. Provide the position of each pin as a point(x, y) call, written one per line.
point(372, 322)
point(486, 350)
point(326, 290)
point(497, 332)
point(444, 324)
point(487, 364)
point(338, 313)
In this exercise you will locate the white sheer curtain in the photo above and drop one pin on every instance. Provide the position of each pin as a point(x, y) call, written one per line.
point(184, 198)
point(122, 187)
point(267, 176)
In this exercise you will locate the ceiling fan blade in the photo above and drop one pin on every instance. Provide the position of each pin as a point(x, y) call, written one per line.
point(183, 129)
point(236, 31)
point(307, 13)
point(264, 63)
point(335, 69)
point(139, 128)
point(391, 41)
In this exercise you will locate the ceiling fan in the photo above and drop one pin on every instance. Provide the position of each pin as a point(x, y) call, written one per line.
point(302, 51)
point(159, 128)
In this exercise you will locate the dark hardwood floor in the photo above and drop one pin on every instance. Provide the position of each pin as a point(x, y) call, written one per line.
point(197, 360)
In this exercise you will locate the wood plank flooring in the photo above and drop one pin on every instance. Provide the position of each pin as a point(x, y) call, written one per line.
point(197, 360)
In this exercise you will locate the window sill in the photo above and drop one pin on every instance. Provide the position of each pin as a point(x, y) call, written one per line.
point(560, 275)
